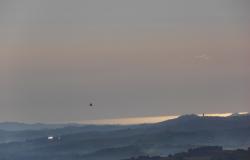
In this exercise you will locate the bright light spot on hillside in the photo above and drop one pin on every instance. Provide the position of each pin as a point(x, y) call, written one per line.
point(50, 138)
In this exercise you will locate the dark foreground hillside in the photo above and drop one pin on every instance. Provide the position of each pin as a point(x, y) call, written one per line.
point(203, 153)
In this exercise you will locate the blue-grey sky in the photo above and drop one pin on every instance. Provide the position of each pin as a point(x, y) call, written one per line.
point(130, 57)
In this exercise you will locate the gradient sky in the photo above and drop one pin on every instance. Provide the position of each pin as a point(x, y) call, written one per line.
point(131, 58)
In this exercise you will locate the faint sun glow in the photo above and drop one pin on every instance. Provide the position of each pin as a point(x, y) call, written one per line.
point(203, 56)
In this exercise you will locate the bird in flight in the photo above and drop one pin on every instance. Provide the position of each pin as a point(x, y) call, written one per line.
point(91, 104)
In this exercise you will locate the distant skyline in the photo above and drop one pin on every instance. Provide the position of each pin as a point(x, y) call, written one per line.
point(135, 120)
point(132, 58)
point(155, 119)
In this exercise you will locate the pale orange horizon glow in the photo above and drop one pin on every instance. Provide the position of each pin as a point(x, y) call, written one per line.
point(149, 119)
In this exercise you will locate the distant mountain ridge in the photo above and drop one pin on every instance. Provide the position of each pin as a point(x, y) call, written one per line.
point(195, 122)
point(21, 126)
point(18, 126)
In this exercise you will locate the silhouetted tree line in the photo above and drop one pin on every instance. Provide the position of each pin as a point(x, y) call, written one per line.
point(203, 153)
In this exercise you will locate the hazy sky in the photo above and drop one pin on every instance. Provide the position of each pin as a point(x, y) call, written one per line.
point(130, 57)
